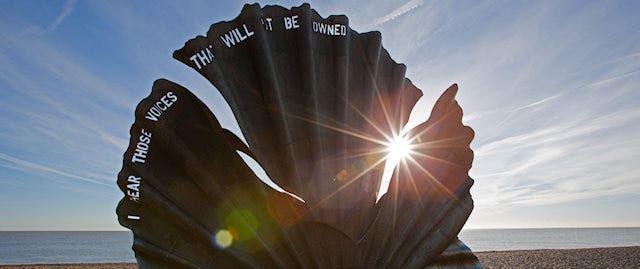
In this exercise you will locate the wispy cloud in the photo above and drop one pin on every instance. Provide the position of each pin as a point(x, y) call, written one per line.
point(31, 167)
point(613, 78)
point(539, 102)
point(59, 113)
point(396, 13)
point(560, 163)
point(67, 8)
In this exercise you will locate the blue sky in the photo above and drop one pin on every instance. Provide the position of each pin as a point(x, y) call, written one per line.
point(552, 89)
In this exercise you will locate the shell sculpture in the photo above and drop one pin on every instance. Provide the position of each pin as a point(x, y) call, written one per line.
point(329, 178)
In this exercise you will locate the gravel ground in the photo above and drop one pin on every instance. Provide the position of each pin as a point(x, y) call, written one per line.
point(621, 257)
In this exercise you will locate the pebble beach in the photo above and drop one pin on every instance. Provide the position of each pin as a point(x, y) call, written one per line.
point(617, 257)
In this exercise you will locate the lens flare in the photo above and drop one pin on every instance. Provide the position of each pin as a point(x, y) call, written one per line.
point(242, 224)
point(223, 238)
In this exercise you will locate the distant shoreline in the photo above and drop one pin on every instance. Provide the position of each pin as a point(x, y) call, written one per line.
point(614, 257)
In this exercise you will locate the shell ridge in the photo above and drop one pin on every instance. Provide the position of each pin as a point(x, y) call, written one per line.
point(339, 46)
point(307, 61)
point(450, 211)
point(265, 68)
point(157, 254)
point(367, 48)
point(397, 105)
point(397, 250)
point(457, 211)
point(175, 214)
point(312, 84)
point(176, 233)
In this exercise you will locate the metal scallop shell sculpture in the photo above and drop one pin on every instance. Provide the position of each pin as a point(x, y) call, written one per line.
point(329, 178)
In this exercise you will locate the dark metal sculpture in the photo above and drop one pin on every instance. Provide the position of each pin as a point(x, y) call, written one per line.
point(322, 108)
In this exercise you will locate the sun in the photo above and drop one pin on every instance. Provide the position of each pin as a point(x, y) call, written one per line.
point(398, 149)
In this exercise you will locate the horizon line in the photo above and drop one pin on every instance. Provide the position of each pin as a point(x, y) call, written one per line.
point(499, 228)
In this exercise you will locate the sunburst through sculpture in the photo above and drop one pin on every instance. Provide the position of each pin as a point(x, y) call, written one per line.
point(326, 176)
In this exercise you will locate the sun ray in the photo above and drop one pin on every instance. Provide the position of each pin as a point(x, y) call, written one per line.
point(385, 112)
point(371, 167)
point(412, 180)
point(338, 129)
point(386, 136)
point(436, 182)
point(439, 160)
point(430, 126)
point(398, 147)
point(443, 142)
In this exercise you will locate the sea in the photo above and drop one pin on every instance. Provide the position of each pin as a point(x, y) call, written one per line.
point(93, 247)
